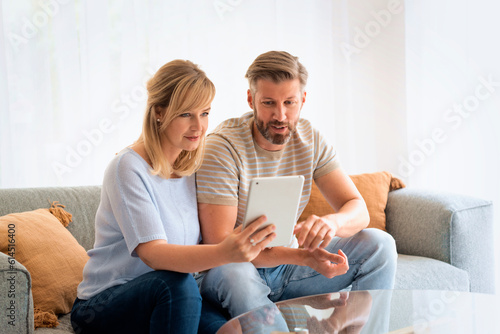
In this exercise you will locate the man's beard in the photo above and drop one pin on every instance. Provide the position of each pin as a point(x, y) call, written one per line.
point(274, 138)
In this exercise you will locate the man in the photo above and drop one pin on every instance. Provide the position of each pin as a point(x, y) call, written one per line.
point(335, 252)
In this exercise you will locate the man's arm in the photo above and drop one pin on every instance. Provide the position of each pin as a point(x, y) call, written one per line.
point(216, 221)
point(350, 217)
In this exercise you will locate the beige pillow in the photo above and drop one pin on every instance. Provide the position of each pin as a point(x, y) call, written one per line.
point(374, 187)
point(50, 253)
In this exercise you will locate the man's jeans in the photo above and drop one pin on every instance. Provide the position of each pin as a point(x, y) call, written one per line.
point(240, 287)
point(156, 302)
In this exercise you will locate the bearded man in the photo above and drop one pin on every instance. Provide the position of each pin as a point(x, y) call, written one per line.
point(331, 253)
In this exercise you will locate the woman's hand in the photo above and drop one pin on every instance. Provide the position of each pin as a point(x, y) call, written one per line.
point(245, 245)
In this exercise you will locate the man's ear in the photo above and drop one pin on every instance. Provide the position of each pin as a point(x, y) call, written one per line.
point(304, 97)
point(250, 99)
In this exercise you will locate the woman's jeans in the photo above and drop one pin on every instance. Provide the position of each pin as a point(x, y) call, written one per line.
point(156, 302)
point(240, 287)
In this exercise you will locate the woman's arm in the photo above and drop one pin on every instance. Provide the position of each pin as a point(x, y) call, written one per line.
point(217, 221)
point(236, 247)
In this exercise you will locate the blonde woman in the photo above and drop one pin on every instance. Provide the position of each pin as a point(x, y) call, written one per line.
point(138, 279)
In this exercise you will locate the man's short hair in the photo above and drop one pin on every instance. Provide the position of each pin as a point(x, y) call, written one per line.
point(276, 66)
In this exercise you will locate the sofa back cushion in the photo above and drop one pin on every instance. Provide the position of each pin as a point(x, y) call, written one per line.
point(81, 202)
point(39, 240)
point(374, 187)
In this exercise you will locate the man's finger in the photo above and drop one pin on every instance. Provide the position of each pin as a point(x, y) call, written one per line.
point(320, 237)
point(328, 238)
point(304, 230)
point(297, 227)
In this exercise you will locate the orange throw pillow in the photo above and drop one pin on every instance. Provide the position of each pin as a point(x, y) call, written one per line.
point(50, 253)
point(374, 187)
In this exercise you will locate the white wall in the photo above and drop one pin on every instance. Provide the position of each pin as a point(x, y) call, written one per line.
point(369, 90)
point(75, 85)
point(453, 94)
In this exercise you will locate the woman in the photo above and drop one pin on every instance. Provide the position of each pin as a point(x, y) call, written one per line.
point(147, 231)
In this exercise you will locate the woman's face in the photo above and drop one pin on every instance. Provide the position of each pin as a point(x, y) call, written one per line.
point(185, 132)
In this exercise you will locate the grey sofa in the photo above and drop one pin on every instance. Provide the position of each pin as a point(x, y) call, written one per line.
point(444, 241)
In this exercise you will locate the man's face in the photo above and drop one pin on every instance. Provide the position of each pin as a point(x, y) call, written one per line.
point(277, 109)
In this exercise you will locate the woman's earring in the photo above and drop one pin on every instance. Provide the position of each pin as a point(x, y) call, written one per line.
point(157, 120)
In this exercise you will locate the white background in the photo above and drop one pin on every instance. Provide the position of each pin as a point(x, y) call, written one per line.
point(393, 85)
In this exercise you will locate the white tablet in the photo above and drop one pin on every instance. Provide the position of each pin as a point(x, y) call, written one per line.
point(277, 198)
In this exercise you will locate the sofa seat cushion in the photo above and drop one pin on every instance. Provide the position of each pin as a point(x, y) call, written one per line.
point(64, 326)
point(422, 273)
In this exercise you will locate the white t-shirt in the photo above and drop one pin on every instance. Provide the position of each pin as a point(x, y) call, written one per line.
point(136, 207)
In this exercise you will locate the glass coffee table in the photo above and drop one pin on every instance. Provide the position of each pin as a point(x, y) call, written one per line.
point(377, 311)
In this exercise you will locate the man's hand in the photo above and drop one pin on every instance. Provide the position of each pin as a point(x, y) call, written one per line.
point(326, 263)
point(315, 232)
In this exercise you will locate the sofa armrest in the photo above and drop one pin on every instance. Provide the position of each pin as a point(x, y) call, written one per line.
point(456, 229)
point(16, 301)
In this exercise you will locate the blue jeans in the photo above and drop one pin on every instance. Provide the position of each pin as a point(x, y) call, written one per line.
point(212, 317)
point(240, 287)
point(156, 302)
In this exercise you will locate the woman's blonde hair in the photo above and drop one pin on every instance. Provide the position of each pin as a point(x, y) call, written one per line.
point(177, 87)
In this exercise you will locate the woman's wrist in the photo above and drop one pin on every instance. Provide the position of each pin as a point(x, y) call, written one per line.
point(221, 256)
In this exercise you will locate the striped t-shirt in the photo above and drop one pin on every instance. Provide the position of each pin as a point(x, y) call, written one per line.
point(232, 158)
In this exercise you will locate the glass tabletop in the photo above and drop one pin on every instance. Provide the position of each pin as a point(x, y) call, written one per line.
point(377, 311)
